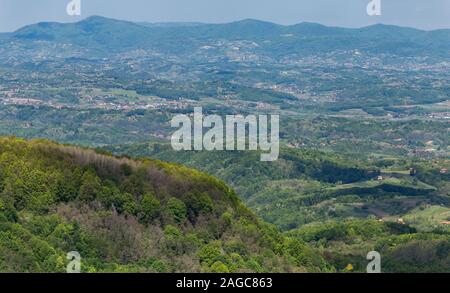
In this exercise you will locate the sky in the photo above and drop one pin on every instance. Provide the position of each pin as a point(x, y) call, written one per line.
point(423, 14)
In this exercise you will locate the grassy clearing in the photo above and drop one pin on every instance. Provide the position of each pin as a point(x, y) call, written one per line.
point(429, 218)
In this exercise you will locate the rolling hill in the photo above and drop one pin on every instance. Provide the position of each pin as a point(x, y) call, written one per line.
point(363, 164)
point(126, 215)
point(308, 186)
point(108, 35)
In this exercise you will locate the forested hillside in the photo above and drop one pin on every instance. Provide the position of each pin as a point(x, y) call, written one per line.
point(125, 215)
point(343, 208)
point(403, 249)
point(144, 215)
point(306, 185)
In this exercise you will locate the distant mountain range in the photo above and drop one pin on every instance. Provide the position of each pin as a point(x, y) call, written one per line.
point(110, 35)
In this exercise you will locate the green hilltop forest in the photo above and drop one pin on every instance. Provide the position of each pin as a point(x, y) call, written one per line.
point(144, 215)
point(124, 215)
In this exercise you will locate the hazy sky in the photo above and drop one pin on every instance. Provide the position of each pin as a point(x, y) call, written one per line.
point(425, 14)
